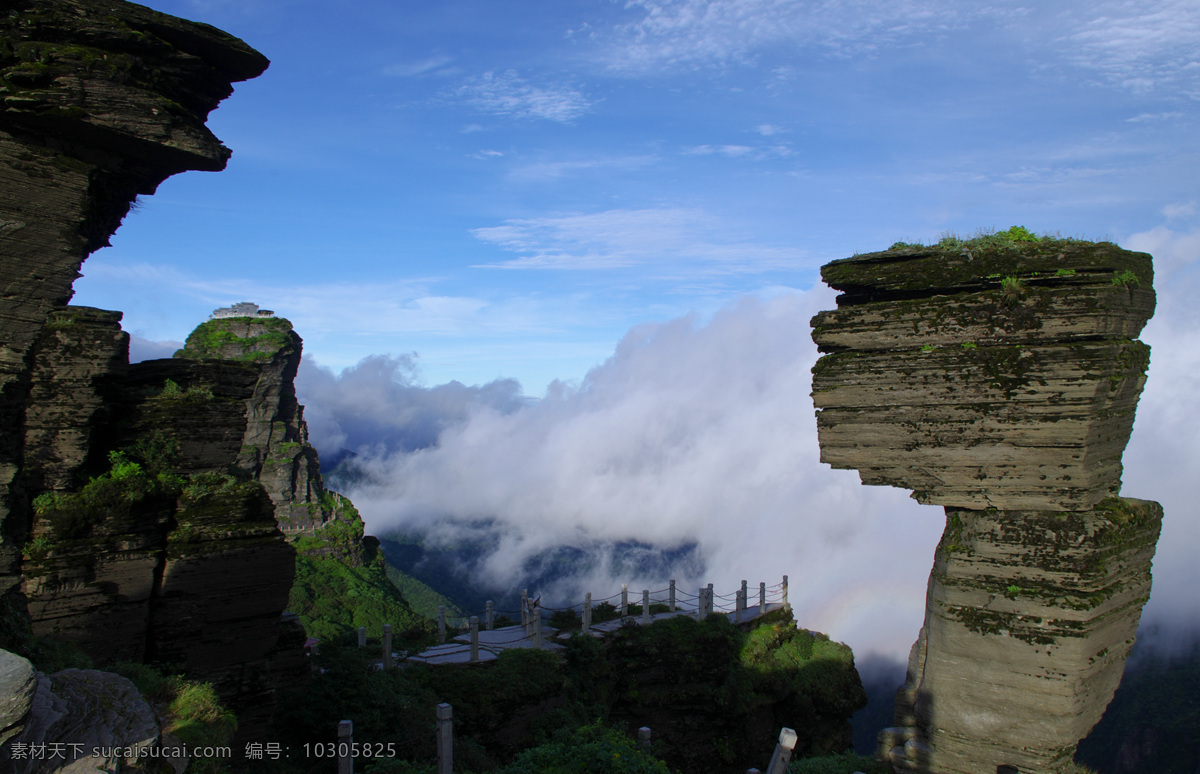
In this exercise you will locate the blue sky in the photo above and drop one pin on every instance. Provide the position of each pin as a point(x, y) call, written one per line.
point(634, 198)
point(505, 188)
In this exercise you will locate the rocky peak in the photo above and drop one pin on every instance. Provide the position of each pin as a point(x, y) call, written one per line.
point(275, 448)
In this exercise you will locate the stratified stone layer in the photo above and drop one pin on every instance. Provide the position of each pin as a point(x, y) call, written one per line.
point(79, 364)
point(1012, 389)
point(275, 448)
point(100, 101)
point(1030, 617)
point(999, 378)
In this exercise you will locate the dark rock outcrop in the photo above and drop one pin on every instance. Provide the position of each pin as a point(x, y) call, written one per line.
point(171, 553)
point(100, 101)
point(999, 378)
point(73, 720)
point(275, 448)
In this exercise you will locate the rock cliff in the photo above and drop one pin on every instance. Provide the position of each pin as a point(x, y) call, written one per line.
point(126, 524)
point(998, 377)
point(101, 101)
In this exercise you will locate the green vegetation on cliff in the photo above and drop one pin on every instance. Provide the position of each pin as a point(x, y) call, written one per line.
point(342, 581)
point(219, 339)
point(714, 695)
point(188, 709)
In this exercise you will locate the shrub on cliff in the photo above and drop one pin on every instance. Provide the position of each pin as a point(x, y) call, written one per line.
point(591, 748)
point(216, 339)
point(333, 598)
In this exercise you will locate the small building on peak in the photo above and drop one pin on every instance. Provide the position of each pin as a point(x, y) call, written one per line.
point(242, 309)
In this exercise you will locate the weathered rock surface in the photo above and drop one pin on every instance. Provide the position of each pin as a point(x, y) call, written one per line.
point(275, 448)
point(1030, 618)
point(1013, 388)
point(76, 720)
point(78, 365)
point(100, 101)
point(1000, 379)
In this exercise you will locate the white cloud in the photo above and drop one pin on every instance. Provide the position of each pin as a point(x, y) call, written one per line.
point(690, 432)
point(703, 432)
point(1138, 45)
point(688, 33)
point(662, 238)
point(553, 170)
point(1179, 210)
point(1141, 118)
point(508, 94)
point(1162, 461)
point(738, 151)
point(141, 348)
point(421, 67)
point(388, 307)
point(769, 130)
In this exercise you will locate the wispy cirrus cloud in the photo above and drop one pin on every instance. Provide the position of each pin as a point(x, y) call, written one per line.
point(615, 239)
point(690, 33)
point(553, 170)
point(1137, 45)
point(739, 151)
point(433, 64)
point(508, 94)
point(386, 307)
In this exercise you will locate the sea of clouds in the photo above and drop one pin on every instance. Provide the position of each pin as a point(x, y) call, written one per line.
point(700, 432)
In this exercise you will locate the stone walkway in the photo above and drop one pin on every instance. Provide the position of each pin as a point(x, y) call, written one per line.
point(492, 643)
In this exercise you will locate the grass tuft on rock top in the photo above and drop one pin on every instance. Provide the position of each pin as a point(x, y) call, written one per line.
point(217, 339)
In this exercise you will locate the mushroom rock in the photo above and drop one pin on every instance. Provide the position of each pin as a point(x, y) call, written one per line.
point(998, 377)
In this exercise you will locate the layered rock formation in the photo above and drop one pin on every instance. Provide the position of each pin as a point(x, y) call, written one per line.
point(125, 522)
point(174, 551)
point(999, 378)
point(101, 101)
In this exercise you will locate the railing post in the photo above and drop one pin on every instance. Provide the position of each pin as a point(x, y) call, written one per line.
point(587, 612)
point(709, 610)
point(783, 752)
point(762, 597)
point(362, 636)
point(474, 638)
point(644, 737)
point(345, 747)
point(645, 607)
point(489, 616)
point(537, 629)
point(671, 598)
point(441, 624)
point(525, 609)
point(624, 599)
point(387, 646)
point(445, 739)
point(785, 599)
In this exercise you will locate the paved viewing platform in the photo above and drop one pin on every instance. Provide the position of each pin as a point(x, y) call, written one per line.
point(478, 645)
